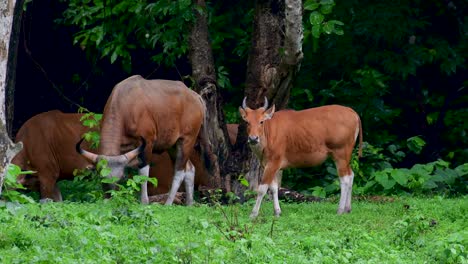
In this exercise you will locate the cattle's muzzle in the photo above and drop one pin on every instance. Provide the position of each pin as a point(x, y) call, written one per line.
point(253, 140)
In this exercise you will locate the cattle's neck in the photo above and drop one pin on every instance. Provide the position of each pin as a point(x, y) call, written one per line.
point(110, 137)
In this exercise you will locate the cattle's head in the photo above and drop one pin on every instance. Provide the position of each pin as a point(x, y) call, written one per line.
point(29, 181)
point(116, 164)
point(255, 119)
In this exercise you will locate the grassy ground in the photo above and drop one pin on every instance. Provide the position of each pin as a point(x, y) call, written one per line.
point(406, 230)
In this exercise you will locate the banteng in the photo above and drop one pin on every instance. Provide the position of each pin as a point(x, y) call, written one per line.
point(161, 113)
point(304, 138)
point(48, 148)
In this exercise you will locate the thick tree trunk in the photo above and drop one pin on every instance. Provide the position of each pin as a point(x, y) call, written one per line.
point(7, 148)
point(274, 60)
point(11, 69)
point(204, 73)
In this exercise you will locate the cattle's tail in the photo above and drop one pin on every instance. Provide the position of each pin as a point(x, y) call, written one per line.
point(207, 155)
point(360, 138)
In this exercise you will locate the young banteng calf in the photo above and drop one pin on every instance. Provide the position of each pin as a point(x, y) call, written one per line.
point(293, 139)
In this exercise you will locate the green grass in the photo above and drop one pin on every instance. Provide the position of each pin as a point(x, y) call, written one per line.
point(407, 230)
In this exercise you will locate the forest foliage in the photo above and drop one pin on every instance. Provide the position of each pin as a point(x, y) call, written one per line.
point(400, 64)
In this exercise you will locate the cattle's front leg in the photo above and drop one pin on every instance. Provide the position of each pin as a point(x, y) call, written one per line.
point(144, 185)
point(268, 180)
point(57, 194)
point(274, 190)
point(47, 189)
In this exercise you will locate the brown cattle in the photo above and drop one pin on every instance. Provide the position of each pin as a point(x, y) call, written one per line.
point(162, 114)
point(49, 142)
point(304, 138)
point(51, 153)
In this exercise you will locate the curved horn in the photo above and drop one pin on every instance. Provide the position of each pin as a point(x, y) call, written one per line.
point(134, 153)
point(90, 156)
point(265, 106)
point(244, 103)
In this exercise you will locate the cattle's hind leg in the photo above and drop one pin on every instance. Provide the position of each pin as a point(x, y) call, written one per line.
point(268, 181)
point(189, 182)
point(183, 149)
point(346, 185)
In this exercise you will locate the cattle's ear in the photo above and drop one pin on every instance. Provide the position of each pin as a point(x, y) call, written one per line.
point(242, 113)
point(269, 113)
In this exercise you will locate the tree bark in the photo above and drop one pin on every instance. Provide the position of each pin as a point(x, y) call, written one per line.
point(204, 74)
point(7, 148)
point(274, 60)
point(11, 66)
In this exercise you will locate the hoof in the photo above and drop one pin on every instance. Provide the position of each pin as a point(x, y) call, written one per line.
point(253, 216)
point(45, 200)
point(344, 211)
point(278, 213)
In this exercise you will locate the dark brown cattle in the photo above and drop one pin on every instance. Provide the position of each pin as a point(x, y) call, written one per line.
point(49, 142)
point(302, 139)
point(161, 113)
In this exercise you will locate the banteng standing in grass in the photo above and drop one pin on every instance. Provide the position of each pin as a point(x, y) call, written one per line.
point(304, 138)
point(164, 114)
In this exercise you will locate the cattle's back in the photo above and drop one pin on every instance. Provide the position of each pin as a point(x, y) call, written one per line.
point(301, 131)
point(161, 109)
point(49, 140)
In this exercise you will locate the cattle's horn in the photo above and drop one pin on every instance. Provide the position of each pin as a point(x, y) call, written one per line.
point(90, 156)
point(134, 153)
point(265, 106)
point(244, 103)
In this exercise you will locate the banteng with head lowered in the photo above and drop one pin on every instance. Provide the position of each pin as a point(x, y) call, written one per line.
point(292, 139)
point(155, 115)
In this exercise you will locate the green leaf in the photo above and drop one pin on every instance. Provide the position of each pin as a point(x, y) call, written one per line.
point(311, 5)
point(316, 18)
point(462, 170)
point(415, 144)
point(382, 178)
point(338, 31)
point(326, 9)
point(316, 31)
point(400, 176)
point(114, 57)
point(105, 172)
point(328, 27)
point(319, 191)
point(336, 22)
point(110, 180)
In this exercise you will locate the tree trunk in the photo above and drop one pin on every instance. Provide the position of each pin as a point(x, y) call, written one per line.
point(7, 148)
point(277, 27)
point(204, 73)
point(11, 68)
point(274, 60)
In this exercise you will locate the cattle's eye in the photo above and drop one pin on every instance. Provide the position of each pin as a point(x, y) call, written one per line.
point(261, 122)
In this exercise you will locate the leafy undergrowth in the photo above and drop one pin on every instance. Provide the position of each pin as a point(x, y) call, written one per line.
point(402, 230)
